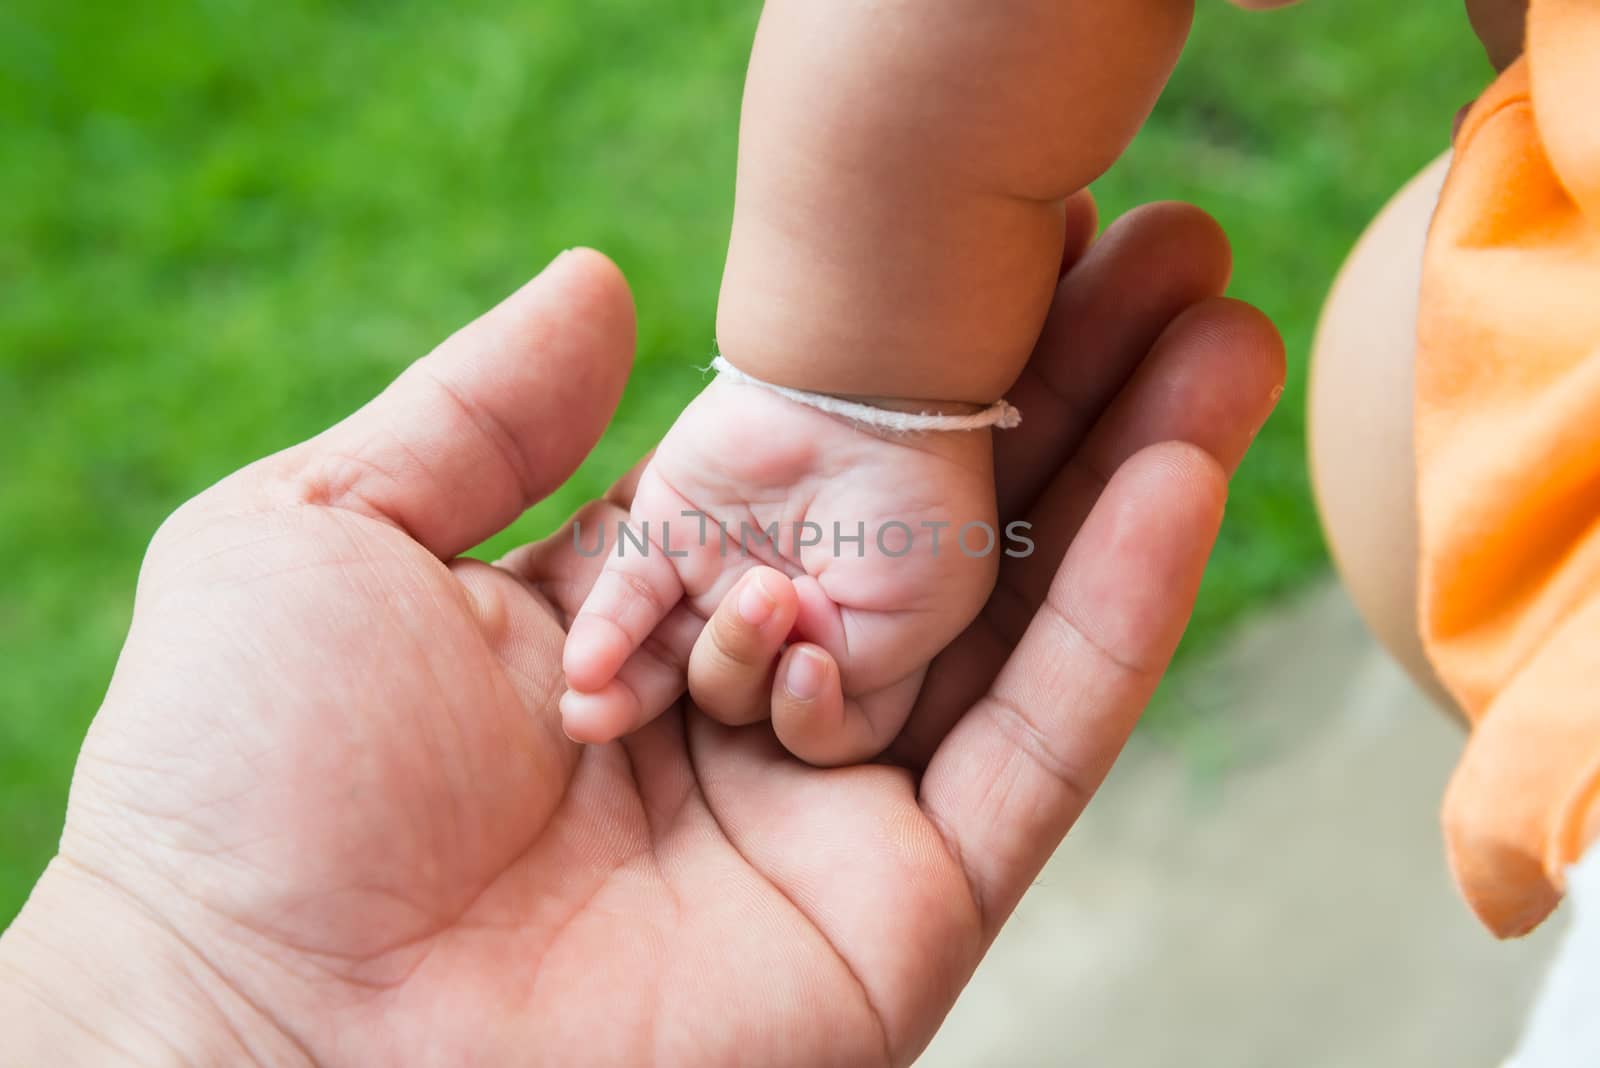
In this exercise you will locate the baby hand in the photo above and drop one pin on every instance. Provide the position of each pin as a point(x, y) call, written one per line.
point(871, 553)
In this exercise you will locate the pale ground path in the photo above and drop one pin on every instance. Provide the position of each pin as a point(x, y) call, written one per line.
point(1294, 912)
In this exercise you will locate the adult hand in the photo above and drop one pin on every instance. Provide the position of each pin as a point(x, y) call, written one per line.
point(326, 813)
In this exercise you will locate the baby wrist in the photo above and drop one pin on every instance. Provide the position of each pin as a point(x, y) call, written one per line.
point(900, 415)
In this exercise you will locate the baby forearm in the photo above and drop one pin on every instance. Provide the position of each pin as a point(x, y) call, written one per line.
point(902, 169)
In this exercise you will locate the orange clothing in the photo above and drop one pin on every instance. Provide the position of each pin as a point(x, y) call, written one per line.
point(1508, 451)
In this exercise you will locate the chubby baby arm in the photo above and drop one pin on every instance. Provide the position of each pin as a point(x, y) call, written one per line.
point(902, 171)
point(897, 236)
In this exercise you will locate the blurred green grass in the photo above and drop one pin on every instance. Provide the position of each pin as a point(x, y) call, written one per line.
point(226, 223)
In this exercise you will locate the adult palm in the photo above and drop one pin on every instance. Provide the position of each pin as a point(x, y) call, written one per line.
point(328, 808)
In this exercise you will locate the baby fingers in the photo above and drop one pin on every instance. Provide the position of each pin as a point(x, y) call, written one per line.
point(646, 685)
point(731, 667)
point(816, 721)
point(634, 593)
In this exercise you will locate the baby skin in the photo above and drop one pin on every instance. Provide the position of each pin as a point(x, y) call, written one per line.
point(898, 231)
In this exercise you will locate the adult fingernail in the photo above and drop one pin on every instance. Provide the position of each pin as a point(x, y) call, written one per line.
point(756, 605)
point(1266, 417)
point(805, 676)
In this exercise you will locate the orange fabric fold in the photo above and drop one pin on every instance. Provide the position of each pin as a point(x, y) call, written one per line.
point(1508, 452)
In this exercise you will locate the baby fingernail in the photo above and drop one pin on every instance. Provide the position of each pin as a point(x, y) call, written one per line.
point(755, 604)
point(805, 676)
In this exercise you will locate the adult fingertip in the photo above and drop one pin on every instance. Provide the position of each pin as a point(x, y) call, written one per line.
point(1173, 226)
point(1253, 327)
point(1188, 463)
point(1250, 357)
point(575, 327)
point(594, 286)
point(600, 280)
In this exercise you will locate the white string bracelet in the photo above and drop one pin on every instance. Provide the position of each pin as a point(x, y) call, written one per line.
point(1001, 414)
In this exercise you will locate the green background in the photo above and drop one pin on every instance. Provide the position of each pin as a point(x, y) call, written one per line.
point(226, 223)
